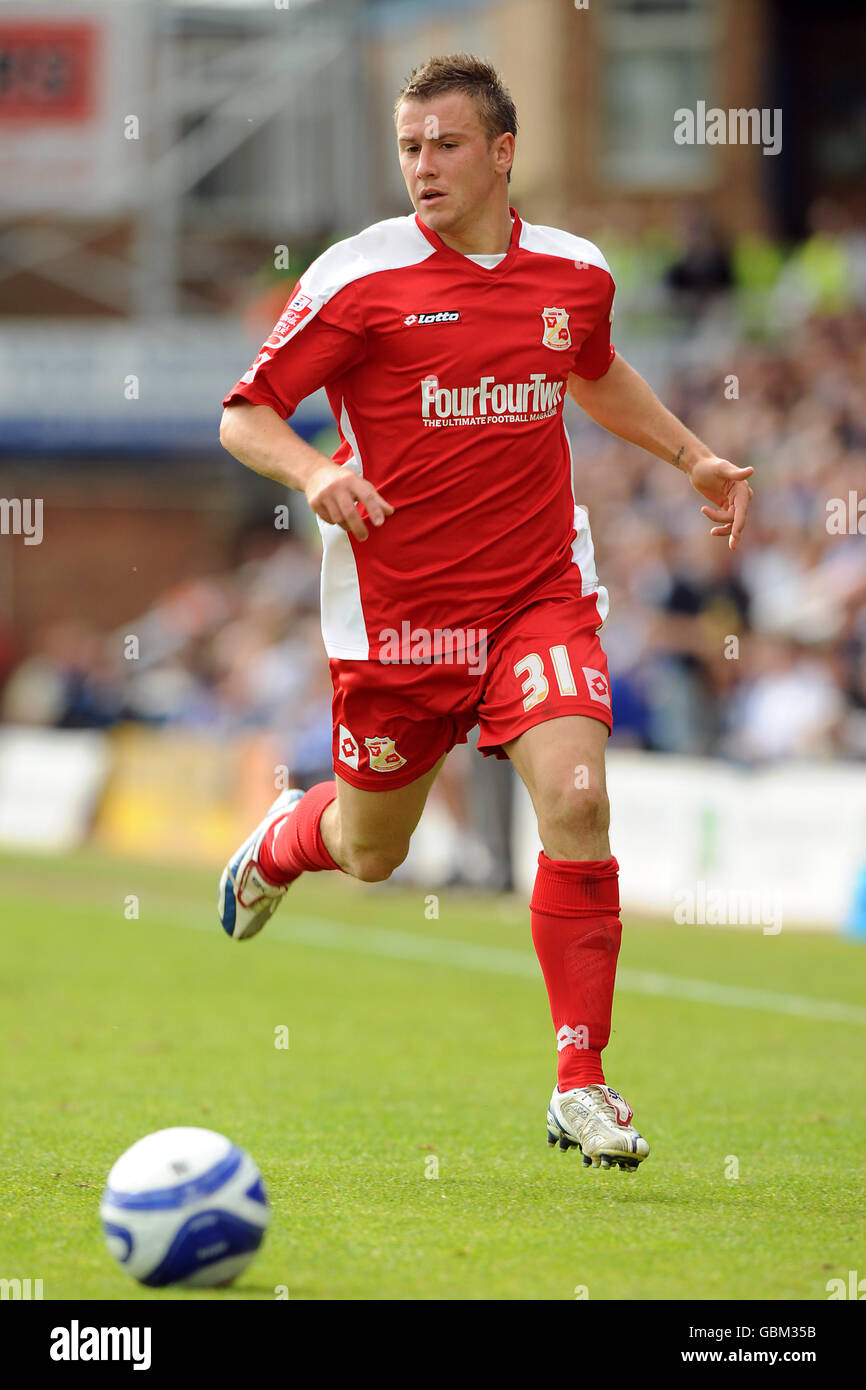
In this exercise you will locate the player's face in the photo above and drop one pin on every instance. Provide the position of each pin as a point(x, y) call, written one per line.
point(452, 170)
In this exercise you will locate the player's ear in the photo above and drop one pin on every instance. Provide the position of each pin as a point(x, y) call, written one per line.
point(504, 153)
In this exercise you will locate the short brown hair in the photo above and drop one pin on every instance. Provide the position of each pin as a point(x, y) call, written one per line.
point(463, 72)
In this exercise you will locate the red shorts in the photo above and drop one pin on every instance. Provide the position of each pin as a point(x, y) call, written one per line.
point(393, 721)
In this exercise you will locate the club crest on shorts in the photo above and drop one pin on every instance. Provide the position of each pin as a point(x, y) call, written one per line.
point(383, 755)
point(557, 334)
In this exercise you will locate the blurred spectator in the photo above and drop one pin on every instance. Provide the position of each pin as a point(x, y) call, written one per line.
point(789, 706)
point(824, 275)
point(703, 268)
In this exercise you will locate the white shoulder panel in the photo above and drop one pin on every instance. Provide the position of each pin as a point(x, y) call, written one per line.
point(389, 245)
point(550, 241)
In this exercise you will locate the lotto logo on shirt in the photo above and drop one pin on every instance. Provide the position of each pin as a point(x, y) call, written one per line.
point(441, 316)
point(491, 401)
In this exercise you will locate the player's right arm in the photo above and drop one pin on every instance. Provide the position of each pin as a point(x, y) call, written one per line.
point(258, 438)
point(320, 336)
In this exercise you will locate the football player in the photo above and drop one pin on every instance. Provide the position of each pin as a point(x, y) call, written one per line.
point(458, 578)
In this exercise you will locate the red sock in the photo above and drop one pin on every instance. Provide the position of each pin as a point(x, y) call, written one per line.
point(576, 932)
point(295, 845)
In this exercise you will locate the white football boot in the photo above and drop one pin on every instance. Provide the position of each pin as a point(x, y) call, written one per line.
point(246, 900)
point(596, 1120)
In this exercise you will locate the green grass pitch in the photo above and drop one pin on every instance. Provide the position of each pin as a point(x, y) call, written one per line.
point(413, 1039)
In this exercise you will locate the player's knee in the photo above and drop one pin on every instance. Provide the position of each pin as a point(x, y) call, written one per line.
point(374, 864)
point(574, 812)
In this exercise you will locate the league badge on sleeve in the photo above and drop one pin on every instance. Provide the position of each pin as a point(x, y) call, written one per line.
point(557, 334)
point(294, 314)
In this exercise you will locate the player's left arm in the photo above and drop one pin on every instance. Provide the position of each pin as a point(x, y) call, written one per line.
point(622, 402)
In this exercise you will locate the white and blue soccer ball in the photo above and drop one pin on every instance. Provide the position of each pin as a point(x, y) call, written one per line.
point(184, 1206)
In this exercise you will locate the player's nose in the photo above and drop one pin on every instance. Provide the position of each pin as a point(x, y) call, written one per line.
point(426, 163)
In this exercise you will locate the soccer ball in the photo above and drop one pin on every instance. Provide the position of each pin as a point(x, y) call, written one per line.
point(184, 1206)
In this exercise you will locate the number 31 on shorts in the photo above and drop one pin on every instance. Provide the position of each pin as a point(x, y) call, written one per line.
point(536, 687)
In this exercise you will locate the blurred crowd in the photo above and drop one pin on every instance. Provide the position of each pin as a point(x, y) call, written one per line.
point(693, 276)
point(756, 654)
point(227, 652)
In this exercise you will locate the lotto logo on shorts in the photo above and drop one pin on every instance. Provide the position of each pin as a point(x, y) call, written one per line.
point(597, 685)
point(383, 755)
point(348, 748)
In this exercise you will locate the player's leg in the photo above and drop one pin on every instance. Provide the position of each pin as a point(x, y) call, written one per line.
point(576, 931)
point(333, 825)
point(546, 705)
point(575, 902)
point(561, 763)
point(367, 833)
point(386, 759)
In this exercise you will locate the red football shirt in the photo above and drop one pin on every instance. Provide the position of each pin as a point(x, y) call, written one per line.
point(447, 381)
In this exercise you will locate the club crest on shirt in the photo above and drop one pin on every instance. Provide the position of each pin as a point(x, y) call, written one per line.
point(556, 331)
point(383, 755)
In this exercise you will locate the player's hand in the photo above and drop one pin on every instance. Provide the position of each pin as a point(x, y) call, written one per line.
point(726, 487)
point(334, 492)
